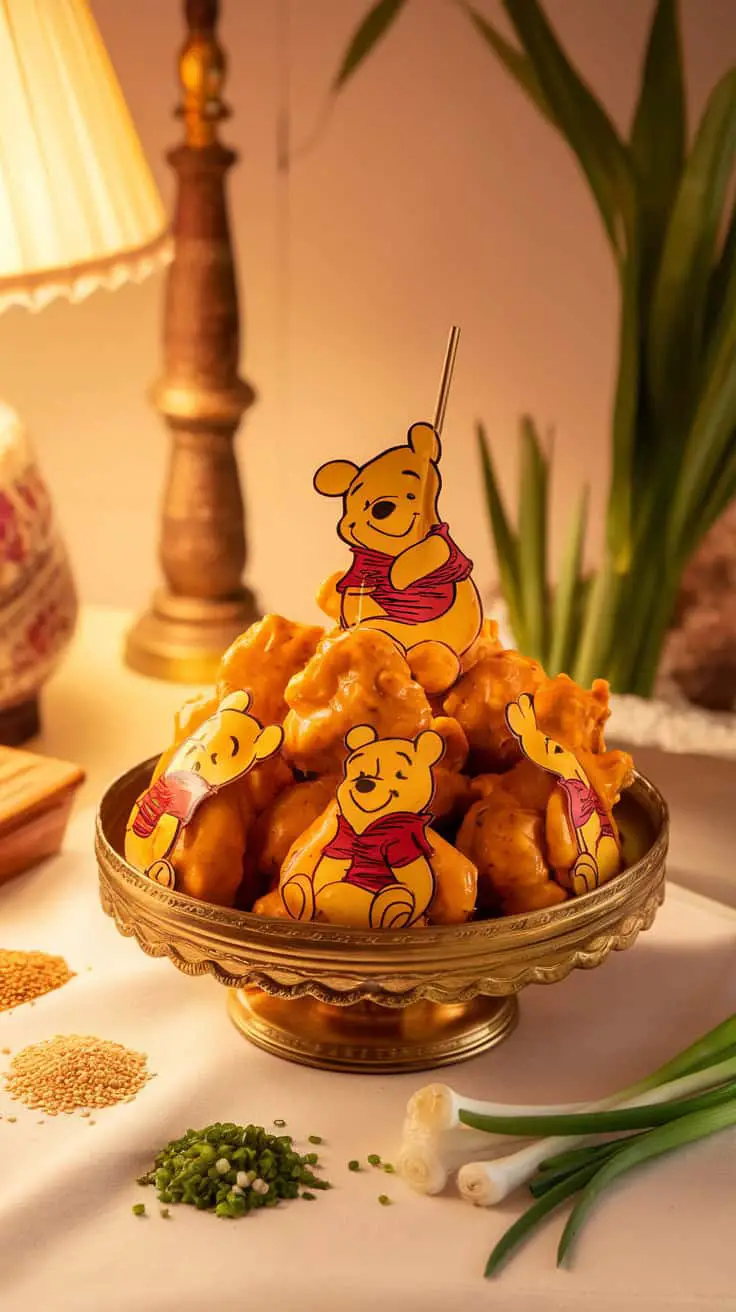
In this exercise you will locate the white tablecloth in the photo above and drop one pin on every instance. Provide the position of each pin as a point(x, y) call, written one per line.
point(664, 1240)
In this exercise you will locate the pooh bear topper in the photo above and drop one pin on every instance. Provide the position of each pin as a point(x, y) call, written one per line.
point(224, 748)
point(376, 870)
point(408, 578)
point(599, 852)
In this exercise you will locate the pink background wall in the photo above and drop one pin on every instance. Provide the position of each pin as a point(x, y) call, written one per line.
point(435, 194)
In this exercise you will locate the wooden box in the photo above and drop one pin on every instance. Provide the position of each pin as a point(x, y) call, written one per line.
point(36, 798)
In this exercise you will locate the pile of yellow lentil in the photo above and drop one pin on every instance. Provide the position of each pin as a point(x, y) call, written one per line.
point(71, 1072)
point(28, 975)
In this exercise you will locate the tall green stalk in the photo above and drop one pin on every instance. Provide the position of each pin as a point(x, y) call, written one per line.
point(662, 194)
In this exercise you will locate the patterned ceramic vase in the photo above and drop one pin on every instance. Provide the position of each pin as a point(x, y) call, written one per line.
point(38, 602)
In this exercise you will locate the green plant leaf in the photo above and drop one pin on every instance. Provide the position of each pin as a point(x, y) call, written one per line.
point(598, 626)
point(722, 279)
point(567, 590)
point(625, 413)
point(676, 324)
point(533, 492)
point(582, 120)
point(721, 493)
point(371, 29)
point(659, 130)
point(515, 61)
point(505, 541)
point(708, 449)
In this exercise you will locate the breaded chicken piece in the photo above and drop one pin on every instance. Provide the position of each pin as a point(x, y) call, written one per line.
point(284, 821)
point(486, 644)
point(456, 743)
point(506, 843)
point(209, 854)
point(357, 677)
point(456, 883)
point(571, 715)
point(263, 660)
point(479, 700)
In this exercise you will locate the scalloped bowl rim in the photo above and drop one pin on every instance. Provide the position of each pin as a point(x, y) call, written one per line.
point(641, 793)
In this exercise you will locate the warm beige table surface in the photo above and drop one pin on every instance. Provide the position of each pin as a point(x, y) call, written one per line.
point(662, 1242)
point(105, 717)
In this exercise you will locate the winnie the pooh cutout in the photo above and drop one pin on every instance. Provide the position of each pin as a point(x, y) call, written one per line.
point(375, 871)
point(408, 578)
point(224, 748)
point(599, 851)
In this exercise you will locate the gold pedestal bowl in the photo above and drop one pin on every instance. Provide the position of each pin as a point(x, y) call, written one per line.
point(353, 1000)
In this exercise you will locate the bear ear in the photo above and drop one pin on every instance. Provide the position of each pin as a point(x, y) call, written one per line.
point(334, 478)
point(360, 736)
point(236, 701)
point(424, 441)
point(429, 747)
point(268, 741)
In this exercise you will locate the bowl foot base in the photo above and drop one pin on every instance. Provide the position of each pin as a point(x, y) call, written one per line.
point(366, 1038)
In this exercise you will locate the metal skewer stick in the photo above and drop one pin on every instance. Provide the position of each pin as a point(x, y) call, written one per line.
point(446, 379)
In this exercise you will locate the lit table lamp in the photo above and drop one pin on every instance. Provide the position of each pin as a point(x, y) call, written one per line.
point(78, 210)
point(203, 603)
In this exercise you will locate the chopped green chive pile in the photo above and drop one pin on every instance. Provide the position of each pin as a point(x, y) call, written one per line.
point(231, 1170)
point(373, 1159)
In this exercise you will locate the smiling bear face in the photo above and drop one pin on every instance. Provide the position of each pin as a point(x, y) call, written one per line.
point(387, 776)
point(227, 744)
point(390, 503)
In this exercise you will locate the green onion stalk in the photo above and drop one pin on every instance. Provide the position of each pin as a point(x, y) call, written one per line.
point(590, 1172)
point(439, 1107)
point(488, 1183)
point(664, 195)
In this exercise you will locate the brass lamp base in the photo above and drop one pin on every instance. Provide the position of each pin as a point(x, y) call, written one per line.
point(369, 1039)
point(182, 639)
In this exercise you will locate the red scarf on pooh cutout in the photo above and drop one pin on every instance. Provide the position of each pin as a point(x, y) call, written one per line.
point(178, 794)
point(584, 802)
point(425, 599)
point(386, 845)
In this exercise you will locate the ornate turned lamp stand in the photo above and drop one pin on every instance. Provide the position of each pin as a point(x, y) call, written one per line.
point(203, 604)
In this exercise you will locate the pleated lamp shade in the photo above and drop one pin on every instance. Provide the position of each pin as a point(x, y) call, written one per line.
point(79, 208)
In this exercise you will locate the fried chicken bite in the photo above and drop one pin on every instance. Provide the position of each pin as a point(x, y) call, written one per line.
point(279, 826)
point(209, 853)
point(486, 644)
point(609, 773)
point(572, 715)
point(272, 905)
point(456, 744)
point(357, 677)
point(525, 782)
point(506, 843)
point(456, 883)
point(434, 666)
point(264, 659)
point(479, 700)
point(451, 799)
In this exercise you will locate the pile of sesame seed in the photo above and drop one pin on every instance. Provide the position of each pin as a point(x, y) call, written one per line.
point(27, 975)
point(69, 1072)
